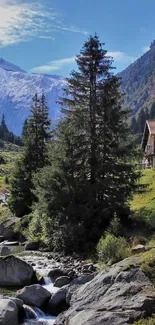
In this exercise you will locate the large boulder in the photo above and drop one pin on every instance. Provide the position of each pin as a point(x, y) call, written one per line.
point(121, 295)
point(8, 312)
point(57, 303)
point(10, 235)
point(34, 295)
point(32, 246)
point(15, 272)
point(60, 300)
point(18, 302)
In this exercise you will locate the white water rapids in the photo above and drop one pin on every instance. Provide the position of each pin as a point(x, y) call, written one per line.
point(34, 316)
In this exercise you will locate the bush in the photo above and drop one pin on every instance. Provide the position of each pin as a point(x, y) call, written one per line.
point(115, 227)
point(68, 239)
point(148, 265)
point(148, 321)
point(35, 227)
point(112, 248)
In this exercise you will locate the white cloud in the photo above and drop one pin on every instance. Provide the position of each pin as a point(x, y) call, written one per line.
point(73, 29)
point(21, 21)
point(53, 65)
point(47, 37)
point(58, 64)
point(121, 57)
point(145, 49)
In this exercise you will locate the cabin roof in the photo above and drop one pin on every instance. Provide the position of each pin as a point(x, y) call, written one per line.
point(148, 130)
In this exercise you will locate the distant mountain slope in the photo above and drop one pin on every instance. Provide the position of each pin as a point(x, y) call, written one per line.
point(17, 88)
point(138, 81)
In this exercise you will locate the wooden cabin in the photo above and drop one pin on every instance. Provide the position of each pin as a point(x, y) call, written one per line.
point(148, 144)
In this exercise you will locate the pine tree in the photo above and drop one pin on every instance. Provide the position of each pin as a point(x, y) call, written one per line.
point(24, 130)
point(34, 157)
point(6, 135)
point(3, 129)
point(92, 176)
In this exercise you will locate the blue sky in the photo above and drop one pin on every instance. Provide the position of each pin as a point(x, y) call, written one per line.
point(45, 35)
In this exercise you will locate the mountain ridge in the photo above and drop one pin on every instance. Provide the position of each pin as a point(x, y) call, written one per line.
point(138, 82)
point(17, 88)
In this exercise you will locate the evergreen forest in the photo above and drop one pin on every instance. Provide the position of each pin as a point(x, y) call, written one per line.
point(7, 135)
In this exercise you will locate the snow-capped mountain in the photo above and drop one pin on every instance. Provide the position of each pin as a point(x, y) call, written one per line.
point(17, 88)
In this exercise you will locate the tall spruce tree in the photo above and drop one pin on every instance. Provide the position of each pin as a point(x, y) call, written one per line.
point(92, 176)
point(34, 157)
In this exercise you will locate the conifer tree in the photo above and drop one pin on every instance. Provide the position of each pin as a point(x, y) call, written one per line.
point(3, 129)
point(34, 157)
point(24, 130)
point(92, 176)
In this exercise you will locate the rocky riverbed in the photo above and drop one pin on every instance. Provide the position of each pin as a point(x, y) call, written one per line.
point(70, 291)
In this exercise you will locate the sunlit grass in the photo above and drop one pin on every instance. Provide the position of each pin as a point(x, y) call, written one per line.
point(145, 199)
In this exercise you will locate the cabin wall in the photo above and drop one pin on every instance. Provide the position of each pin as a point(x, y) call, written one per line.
point(150, 140)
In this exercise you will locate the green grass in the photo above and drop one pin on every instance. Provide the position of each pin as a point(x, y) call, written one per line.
point(9, 161)
point(7, 291)
point(145, 199)
point(143, 203)
point(147, 321)
point(5, 213)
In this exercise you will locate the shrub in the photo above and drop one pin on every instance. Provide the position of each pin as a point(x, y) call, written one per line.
point(148, 321)
point(68, 239)
point(148, 265)
point(115, 227)
point(112, 248)
point(35, 227)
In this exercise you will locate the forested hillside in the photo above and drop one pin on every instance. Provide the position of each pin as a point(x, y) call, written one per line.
point(138, 81)
point(138, 84)
point(6, 135)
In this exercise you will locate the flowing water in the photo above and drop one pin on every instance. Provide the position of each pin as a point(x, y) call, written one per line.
point(34, 316)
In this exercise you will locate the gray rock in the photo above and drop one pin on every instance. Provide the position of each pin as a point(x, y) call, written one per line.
point(34, 295)
point(83, 279)
point(138, 249)
point(62, 281)
point(4, 250)
point(32, 246)
point(1, 239)
point(116, 296)
point(10, 235)
point(8, 312)
point(56, 273)
point(74, 285)
point(18, 302)
point(57, 302)
point(15, 272)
